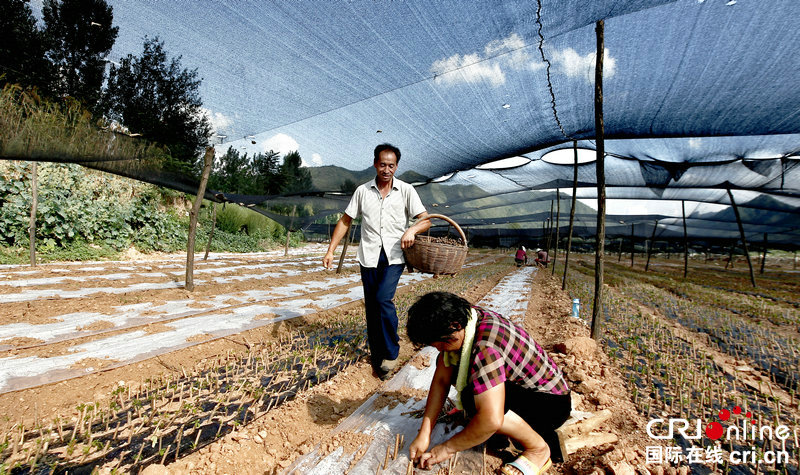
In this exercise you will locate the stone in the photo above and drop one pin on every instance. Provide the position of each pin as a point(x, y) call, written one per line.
point(155, 469)
point(621, 468)
point(579, 347)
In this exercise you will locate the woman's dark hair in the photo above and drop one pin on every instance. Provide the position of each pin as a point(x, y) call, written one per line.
point(386, 146)
point(436, 316)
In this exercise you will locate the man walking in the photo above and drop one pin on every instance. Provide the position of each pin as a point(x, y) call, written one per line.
point(386, 205)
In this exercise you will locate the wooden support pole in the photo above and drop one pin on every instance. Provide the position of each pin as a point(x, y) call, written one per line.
point(685, 242)
point(289, 230)
point(763, 254)
point(633, 245)
point(650, 247)
point(558, 222)
point(544, 232)
point(601, 182)
point(549, 230)
point(571, 213)
point(619, 251)
point(34, 205)
point(201, 191)
point(743, 238)
point(730, 255)
point(211, 233)
point(348, 236)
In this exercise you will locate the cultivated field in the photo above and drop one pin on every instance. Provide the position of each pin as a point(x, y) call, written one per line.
point(114, 367)
point(707, 347)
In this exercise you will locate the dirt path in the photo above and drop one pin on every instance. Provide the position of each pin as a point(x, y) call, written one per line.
point(276, 438)
point(274, 442)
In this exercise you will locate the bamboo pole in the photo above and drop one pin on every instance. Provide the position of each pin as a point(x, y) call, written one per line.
point(633, 246)
point(650, 247)
point(601, 181)
point(558, 222)
point(201, 191)
point(685, 241)
point(763, 254)
point(571, 213)
point(549, 230)
point(544, 231)
point(211, 233)
point(743, 238)
point(288, 231)
point(730, 256)
point(34, 205)
point(348, 236)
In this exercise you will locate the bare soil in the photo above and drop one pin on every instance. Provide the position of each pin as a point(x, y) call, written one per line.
point(272, 442)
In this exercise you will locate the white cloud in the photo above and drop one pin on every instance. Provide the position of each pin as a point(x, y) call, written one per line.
point(316, 160)
point(490, 66)
point(695, 142)
point(219, 121)
point(280, 143)
point(468, 68)
point(499, 57)
point(495, 47)
point(573, 65)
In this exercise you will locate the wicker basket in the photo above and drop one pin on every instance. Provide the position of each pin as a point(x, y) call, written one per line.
point(434, 257)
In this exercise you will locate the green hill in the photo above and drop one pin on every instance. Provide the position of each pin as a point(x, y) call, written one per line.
point(331, 177)
point(464, 202)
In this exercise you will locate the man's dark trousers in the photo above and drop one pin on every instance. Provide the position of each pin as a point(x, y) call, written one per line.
point(380, 284)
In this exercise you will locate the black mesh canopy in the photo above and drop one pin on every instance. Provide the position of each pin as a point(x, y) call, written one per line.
point(700, 97)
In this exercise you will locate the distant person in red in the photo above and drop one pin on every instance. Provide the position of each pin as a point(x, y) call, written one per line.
point(521, 257)
point(541, 257)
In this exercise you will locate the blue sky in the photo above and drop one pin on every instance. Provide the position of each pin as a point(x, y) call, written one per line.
point(457, 84)
point(325, 79)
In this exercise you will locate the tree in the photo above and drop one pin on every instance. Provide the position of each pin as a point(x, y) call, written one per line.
point(267, 179)
point(349, 186)
point(79, 35)
point(296, 177)
point(22, 49)
point(230, 173)
point(160, 100)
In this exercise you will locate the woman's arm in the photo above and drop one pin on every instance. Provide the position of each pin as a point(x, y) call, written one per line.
point(487, 420)
point(440, 386)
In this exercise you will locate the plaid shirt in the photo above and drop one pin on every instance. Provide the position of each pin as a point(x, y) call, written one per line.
point(504, 352)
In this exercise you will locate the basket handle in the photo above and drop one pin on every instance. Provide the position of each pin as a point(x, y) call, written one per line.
point(458, 228)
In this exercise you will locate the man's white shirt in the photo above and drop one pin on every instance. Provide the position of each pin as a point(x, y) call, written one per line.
point(384, 220)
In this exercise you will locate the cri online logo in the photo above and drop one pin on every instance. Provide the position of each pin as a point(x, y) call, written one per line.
point(714, 430)
point(748, 430)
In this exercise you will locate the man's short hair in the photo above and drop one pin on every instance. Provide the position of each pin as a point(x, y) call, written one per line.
point(386, 146)
point(436, 316)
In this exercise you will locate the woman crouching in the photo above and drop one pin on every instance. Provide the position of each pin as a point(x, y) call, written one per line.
point(507, 383)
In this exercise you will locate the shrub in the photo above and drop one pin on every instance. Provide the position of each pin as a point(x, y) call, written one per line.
point(88, 214)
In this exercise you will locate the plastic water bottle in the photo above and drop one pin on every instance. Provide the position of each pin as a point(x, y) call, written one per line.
point(576, 308)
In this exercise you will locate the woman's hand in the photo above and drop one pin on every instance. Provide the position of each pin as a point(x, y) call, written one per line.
point(438, 454)
point(418, 446)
